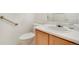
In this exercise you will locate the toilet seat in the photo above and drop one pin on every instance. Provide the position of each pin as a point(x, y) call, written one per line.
point(27, 36)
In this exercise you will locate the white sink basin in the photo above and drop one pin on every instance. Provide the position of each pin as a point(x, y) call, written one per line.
point(56, 28)
point(74, 27)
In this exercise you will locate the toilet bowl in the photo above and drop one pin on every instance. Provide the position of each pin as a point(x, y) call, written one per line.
point(26, 38)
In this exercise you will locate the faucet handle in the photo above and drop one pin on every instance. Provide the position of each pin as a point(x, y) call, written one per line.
point(59, 26)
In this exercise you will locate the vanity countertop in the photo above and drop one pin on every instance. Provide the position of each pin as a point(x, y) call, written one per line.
point(70, 35)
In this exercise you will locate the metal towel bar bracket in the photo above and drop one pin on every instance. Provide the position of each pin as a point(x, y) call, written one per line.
point(2, 17)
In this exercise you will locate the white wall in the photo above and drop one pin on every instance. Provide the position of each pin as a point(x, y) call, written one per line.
point(9, 33)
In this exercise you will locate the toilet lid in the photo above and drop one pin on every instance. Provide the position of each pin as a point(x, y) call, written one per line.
point(27, 36)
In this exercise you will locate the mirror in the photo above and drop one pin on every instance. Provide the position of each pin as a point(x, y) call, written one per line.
point(63, 17)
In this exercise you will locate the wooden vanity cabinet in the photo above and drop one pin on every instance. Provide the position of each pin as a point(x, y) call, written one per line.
point(43, 38)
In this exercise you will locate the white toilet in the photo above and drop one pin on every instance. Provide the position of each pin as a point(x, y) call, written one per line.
point(27, 38)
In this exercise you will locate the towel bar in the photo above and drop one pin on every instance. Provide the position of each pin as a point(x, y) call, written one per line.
point(2, 17)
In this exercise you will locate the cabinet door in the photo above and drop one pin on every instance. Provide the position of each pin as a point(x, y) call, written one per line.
point(41, 38)
point(58, 41)
point(51, 40)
